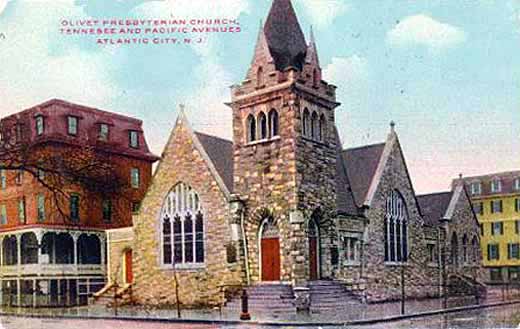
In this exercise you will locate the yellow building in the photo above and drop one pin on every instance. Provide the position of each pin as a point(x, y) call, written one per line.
point(496, 201)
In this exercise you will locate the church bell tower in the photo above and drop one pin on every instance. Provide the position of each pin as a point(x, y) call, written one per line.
point(285, 151)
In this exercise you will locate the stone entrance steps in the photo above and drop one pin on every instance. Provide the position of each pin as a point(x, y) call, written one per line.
point(266, 298)
point(330, 296)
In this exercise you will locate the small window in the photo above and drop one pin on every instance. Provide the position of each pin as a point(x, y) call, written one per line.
point(517, 204)
point(497, 228)
point(481, 229)
point(21, 210)
point(478, 207)
point(41, 207)
point(262, 120)
point(133, 137)
point(517, 226)
point(514, 273)
point(135, 177)
point(251, 128)
point(495, 274)
point(516, 184)
point(314, 126)
point(475, 188)
point(351, 247)
point(107, 211)
point(103, 132)
point(260, 77)
point(74, 208)
point(513, 251)
point(273, 123)
point(496, 206)
point(322, 129)
point(493, 252)
point(135, 207)
point(40, 125)
point(432, 253)
point(496, 185)
point(306, 122)
point(3, 214)
point(72, 125)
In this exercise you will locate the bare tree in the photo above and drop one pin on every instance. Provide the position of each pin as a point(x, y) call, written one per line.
point(62, 169)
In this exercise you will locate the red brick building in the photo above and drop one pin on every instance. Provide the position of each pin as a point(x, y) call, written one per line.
point(48, 258)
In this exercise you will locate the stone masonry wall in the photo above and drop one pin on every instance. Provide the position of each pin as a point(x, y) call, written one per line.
point(154, 284)
point(383, 280)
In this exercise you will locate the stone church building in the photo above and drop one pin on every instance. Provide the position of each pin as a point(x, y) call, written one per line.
point(285, 202)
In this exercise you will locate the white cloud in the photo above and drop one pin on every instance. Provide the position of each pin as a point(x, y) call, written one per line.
point(39, 74)
point(323, 12)
point(193, 8)
point(424, 30)
point(3, 3)
point(345, 71)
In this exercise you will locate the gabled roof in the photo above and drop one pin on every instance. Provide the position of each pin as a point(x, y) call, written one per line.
point(361, 164)
point(220, 152)
point(434, 206)
point(344, 198)
point(284, 36)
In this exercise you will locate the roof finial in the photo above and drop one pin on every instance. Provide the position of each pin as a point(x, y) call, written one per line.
point(311, 37)
point(182, 107)
point(460, 175)
point(392, 126)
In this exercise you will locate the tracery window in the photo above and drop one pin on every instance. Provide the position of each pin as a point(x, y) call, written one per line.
point(314, 126)
point(182, 222)
point(322, 132)
point(396, 229)
point(306, 123)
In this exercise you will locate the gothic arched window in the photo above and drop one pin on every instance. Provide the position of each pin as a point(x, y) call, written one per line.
point(182, 230)
point(314, 125)
point(262, 121)
point(306, 122)
point(322, 131)
point(251, 128)
point(396, 229)
point(273, 122)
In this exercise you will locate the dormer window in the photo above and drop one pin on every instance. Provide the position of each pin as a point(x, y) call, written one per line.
point(496, 185)
point(133, 137)
point(103, 132)
point(40, 125)
point(72, 125)
point(475, 188)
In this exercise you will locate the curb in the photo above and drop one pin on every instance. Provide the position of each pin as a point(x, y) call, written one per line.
point(266, 323)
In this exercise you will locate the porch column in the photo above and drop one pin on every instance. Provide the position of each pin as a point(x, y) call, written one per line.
point(2, 250)
point(39, 239)
point(75, 238)
point(34, 294)
point(102, 240)
point(19, 250)
point(18, 293)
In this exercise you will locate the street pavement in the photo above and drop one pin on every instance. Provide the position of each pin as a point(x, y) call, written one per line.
point(497, 317)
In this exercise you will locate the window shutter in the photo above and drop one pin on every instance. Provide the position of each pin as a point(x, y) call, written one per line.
point(489, 252)
point(508, 251)
point(501, 228)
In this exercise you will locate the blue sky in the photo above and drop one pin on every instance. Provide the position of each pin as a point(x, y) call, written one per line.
point(447, 72)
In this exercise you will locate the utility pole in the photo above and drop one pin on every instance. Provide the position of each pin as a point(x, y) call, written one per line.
point(403, 292)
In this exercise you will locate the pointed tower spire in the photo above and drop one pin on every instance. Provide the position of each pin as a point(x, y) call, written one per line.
point(312, 51)
point(284, 36)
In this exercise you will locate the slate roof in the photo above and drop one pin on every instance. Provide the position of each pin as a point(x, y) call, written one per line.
point(344, 198)
point(361, 164)
point(284, 36)
point(434, 206)
point(507, 180)
point(220, 152)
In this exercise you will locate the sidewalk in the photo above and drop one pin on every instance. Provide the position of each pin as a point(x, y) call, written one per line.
point(356, 314)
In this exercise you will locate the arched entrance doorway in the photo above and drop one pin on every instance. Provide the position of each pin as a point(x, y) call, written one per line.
point(128, 275)
point(314, 257)
point(269, 251)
